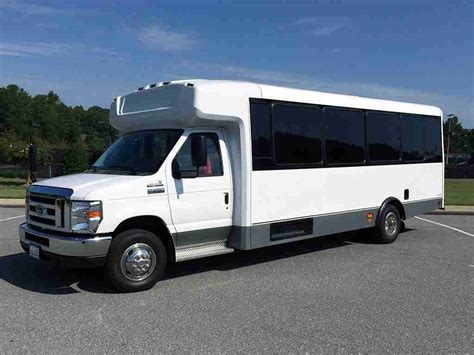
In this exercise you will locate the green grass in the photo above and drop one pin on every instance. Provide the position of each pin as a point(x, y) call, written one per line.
point(12, 188)
point(459, 192)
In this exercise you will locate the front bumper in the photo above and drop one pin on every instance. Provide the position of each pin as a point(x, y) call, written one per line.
point(63, 247)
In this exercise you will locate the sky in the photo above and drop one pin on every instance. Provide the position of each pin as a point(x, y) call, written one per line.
point(92, 51)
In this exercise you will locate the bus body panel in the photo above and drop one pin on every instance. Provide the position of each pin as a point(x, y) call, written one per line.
point(309, 192)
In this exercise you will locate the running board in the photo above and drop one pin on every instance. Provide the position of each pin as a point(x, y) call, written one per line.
point(202, 251)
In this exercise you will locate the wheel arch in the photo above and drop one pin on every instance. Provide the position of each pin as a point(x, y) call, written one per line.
point(153, 224)
point(391, 201)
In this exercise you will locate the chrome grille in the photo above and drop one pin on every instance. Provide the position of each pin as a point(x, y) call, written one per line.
point(46, 211)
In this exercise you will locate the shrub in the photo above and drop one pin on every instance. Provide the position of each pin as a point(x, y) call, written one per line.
point(16, 150)
point(10, 174)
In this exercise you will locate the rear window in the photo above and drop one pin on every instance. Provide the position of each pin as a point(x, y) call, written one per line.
point(432, 135)
point(151, 99)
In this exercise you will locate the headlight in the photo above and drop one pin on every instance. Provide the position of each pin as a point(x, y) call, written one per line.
point(86, 216)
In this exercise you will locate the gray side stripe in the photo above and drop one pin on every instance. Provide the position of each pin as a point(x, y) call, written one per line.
point(258, 235)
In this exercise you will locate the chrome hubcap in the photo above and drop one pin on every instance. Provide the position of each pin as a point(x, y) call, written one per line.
point(391, 223)
point(138, 262)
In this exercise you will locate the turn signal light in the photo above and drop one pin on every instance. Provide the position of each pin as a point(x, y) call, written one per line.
point(93, 214)
point(370, 216)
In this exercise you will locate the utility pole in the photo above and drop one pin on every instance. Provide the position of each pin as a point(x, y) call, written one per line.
point(450, 116)
point(32, 156)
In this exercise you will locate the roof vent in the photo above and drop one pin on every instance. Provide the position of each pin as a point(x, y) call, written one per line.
point(152, 85)
point(140, 88)
point(166, 82)
point(189, 85)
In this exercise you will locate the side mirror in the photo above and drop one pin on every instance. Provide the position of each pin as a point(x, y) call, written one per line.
point(199, 150)
point(175, 170)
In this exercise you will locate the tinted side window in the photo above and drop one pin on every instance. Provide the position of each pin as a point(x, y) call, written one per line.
point(344, 135)
point(261, 130)
point(297, 134)
point(214, 161)
point(383, 136)
point(432, 134)
point(412, 138)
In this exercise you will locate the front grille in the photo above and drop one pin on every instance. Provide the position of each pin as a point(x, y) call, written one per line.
point(47, 221)
point(46, 211)
point(42, 199)
point(37, 239)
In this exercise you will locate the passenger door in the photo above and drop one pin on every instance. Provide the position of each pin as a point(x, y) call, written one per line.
point(200, 197)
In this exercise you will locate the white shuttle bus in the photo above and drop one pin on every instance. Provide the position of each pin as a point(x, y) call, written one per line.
point(207, 167)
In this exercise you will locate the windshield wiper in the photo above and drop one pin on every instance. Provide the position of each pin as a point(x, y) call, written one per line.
point(92, 169)
point(133, 171)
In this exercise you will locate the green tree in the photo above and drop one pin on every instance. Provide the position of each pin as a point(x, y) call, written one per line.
point(457, 139)
point(76, 159)
point(15, 111)
point(48, 118)
point(46, 121)
point(95, 143)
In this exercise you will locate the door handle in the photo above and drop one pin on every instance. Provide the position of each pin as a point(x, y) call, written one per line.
point(226, 198)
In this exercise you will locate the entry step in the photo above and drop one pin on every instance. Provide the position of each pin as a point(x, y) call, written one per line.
point(202, 251)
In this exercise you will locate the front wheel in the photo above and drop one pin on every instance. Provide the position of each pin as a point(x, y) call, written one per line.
point(389, 225)
point(136, 261)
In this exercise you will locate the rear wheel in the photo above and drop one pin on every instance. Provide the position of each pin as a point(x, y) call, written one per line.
point(136, 261)
point(389, 225)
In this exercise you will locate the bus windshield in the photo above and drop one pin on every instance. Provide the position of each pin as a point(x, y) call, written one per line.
point(137, 153)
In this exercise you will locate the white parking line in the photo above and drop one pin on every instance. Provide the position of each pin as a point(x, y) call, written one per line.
point(8, 219)
point(446, 226)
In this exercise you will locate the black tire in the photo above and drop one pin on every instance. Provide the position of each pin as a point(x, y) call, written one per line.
point(141, 244)
point(403, 227)
point(25, 248)
point(388, 225)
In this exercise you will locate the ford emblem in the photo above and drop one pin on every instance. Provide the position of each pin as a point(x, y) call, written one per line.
point(39, 210)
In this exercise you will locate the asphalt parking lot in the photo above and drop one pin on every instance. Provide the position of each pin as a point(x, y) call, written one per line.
point(332, 294)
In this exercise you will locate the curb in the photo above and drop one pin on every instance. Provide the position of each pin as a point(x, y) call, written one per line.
point(12, 202)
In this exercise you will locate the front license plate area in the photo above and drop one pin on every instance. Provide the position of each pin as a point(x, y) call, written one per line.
point(35, 251)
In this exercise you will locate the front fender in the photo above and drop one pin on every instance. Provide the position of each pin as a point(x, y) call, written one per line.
point(117, 211)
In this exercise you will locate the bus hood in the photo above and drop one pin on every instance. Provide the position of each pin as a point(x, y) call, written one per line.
point(87, 186)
